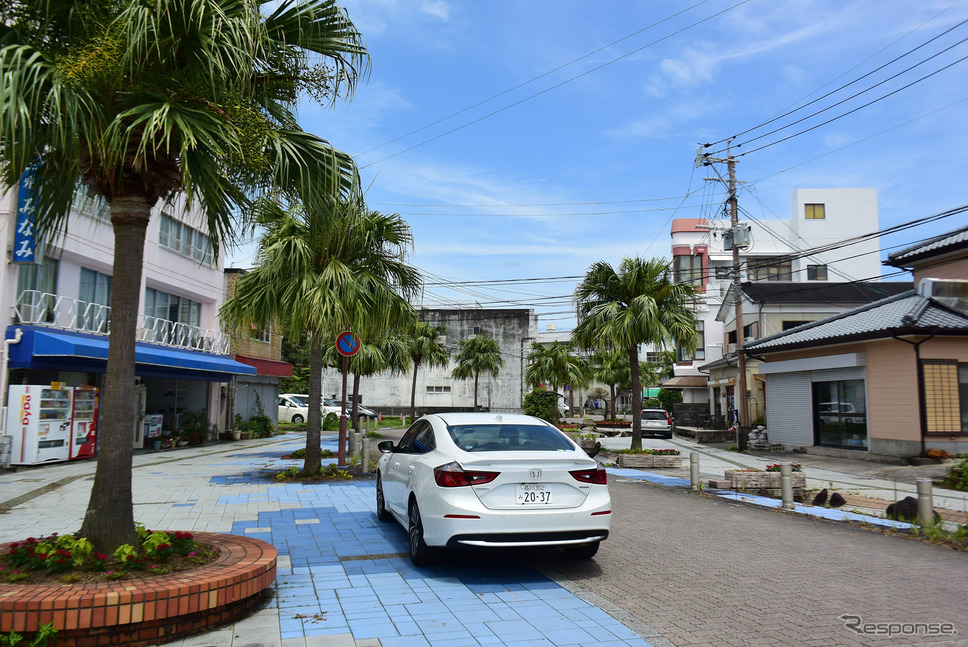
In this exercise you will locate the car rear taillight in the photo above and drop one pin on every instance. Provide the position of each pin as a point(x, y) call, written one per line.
point(454, 475)
point(596, 476)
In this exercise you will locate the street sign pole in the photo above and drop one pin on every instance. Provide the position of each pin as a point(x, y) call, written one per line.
point(341, 452)
point(347, 344)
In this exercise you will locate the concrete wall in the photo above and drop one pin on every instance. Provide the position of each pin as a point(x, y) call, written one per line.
point(513, 330)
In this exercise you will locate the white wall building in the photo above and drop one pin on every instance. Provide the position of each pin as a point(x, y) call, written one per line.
point(437, 390)
point(779, 250)
point(61, 306)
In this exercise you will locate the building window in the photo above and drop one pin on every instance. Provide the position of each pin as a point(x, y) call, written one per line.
point(173, 319)
point(685, 355)
point(476, 330)
point(769, 269)
point(260, 334)
point(653, 358)
point(723, 272)
point(39, 280)
point(840, 414)
point(95, 300)
point(816, 272)
point(787, 325)
point(438, 389)
point(93, 206)
point(750, 331)
point(687, 269)
point(814, 211)
point(945, 397)
point(182, 239)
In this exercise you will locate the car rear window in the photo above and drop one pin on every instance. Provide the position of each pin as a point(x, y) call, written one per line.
point(502, 438)
point(654, 415)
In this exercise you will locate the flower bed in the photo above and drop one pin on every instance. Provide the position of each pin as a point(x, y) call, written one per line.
point(150, 611)
point(650, 458)
point(750, 480)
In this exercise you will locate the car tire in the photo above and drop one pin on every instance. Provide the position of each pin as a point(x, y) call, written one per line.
point(381, 505)
point(297, 419)
point(582, 551)
point(420, 553)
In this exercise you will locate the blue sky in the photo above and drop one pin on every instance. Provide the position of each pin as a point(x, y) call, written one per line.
point(527, 139)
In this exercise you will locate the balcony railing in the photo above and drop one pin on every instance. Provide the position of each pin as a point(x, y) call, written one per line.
point(68, 313)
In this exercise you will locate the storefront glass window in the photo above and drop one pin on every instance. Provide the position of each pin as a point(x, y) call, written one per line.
point(840, 414)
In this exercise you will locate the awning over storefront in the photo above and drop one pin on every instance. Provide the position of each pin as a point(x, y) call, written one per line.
point(685, 382)
point(270, 367)
point(59, 350)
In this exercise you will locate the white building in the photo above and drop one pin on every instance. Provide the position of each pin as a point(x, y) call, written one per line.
point(788, 250)
point(58, 308)
point(437, 390)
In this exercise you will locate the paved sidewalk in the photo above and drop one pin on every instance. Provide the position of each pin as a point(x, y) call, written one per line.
point(865, 485)
point(344, 578)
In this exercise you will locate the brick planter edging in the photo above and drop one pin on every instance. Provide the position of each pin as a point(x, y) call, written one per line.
point(739, 480)
point(649, 460)
point(146, 611)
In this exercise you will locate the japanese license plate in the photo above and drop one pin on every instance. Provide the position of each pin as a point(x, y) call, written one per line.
point(534, 494)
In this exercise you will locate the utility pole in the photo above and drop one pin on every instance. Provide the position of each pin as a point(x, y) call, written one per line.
point(741, 393)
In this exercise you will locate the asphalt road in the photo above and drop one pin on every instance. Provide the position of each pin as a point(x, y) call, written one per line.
point(703, 571)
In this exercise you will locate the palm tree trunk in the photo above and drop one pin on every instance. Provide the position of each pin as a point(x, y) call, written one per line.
point(611, 387)
point(356, 406)
point(109, 520)
point(475, 391)
point(413, 392)
point(636, 398)
point(313, 460)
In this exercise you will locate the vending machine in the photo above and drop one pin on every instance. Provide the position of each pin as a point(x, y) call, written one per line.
point(39, 419)
point(84, 422)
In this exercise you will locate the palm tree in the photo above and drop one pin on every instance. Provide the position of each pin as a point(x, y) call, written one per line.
point(321, 272)
point(477, 355)
point(639, 304)
point(555, 365)
point(425, 349)
point(138, 101)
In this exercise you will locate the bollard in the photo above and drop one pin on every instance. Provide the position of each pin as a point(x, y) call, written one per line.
point(6, 445)
point(786, 485)
point(356, 442)
point(694, 471)
point(365, 456)
point(401, 420)
point(925, 503)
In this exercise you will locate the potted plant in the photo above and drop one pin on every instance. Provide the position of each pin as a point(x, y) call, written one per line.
point(196, 427)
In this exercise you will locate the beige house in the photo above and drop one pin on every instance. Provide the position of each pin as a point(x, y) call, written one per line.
point(250, 395)
point(770, 308)
point(886, 380)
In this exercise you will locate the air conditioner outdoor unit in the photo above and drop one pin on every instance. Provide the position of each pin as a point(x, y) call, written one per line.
point(950, 292)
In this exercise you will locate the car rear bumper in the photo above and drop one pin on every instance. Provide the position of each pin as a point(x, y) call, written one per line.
point(460, 519)
point(524, 539)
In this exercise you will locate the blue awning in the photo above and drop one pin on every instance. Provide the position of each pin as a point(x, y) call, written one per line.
point(58, 350)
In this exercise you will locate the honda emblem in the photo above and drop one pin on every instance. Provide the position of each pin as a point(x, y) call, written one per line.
point(535, 473)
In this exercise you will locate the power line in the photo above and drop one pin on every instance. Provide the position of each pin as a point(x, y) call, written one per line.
point(555, 86)
point(852, 111)
point(832, 92)
point(532, 80)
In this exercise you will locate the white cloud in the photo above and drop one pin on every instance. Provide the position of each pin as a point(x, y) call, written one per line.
point(436, 8)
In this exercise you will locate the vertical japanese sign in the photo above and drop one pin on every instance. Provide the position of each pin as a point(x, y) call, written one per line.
point(25, 238)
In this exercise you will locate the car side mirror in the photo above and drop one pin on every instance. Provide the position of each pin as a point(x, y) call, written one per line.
point(385, 446)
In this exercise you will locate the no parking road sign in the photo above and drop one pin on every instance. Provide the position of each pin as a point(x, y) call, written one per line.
point(348, 344)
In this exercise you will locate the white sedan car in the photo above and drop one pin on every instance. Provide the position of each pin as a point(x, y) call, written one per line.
point(491, 480)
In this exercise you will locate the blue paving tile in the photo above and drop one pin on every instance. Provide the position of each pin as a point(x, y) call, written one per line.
point(405, 641)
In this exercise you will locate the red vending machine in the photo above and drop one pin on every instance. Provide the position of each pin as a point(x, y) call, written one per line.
point(84, 422)
point(39, 419)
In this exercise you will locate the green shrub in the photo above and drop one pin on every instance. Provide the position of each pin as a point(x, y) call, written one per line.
point(541, 404)
point(957, 477)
